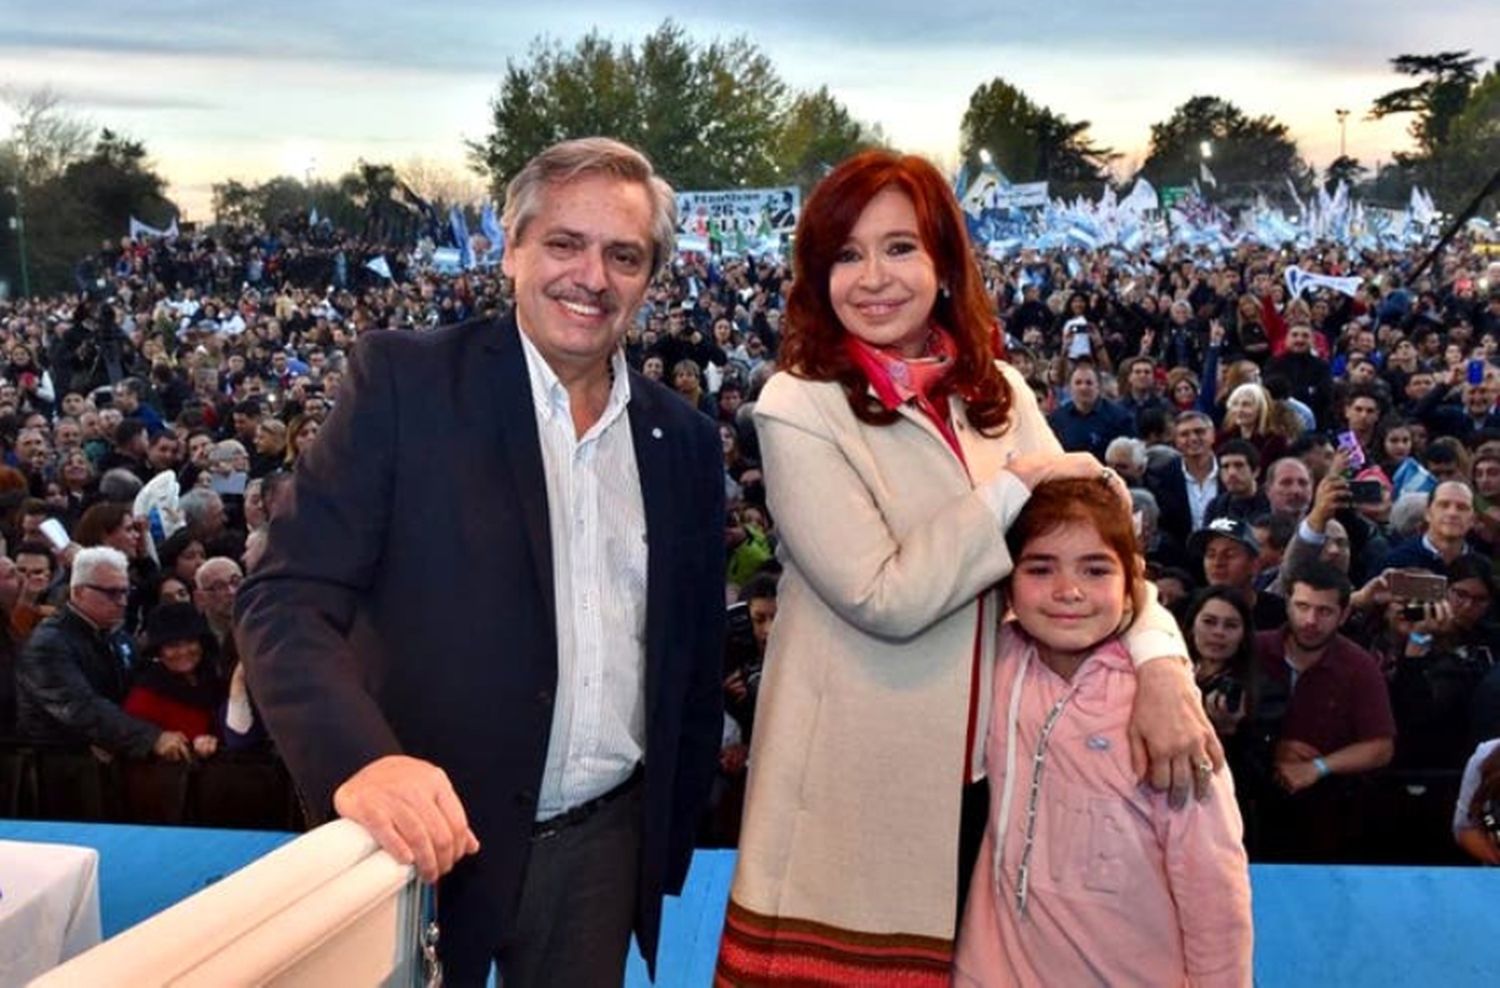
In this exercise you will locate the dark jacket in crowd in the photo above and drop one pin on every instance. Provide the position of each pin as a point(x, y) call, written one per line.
point(1310, 379)
point(1093, 432)
point(70, 681)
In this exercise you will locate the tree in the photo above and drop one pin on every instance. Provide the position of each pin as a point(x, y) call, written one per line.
point(1471, 152)
point(44, 139)
point(1436, 100)
point(817, 134)
point(1029, 142)
point(1343, 169)
point(709, 116)
point(92, 201)
point(1255, 153)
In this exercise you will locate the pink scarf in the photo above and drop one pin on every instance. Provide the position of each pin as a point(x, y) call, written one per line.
point(898, 380)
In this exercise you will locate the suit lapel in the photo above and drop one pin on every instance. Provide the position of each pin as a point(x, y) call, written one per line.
point(510, 384)
point(655, 438)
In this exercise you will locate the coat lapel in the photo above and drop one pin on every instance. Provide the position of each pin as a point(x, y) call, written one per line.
point(655, 439)
point(510, 384)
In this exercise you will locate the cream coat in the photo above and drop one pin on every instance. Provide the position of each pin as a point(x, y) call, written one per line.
point(856, 766)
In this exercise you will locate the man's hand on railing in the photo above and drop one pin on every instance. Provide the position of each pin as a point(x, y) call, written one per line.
point(411, 810)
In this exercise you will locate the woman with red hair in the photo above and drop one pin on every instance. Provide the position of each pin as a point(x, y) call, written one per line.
point(897, 449)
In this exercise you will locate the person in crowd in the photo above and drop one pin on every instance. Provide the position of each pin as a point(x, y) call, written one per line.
point(301, 432)
point(1249, 418)
point(181, 555)
point(556, 462)
point(1040, 910)
point(1127, 457)
point(891, 544)
point(36, 565)
point(1437, 656)
point(1449, 522)
point(1457, 408)
point(1362, 410)
point(11, 583)
point(1307, 374)
point(1230, 552)
point(1476, 817)
point(1221, 643)
point(1239, 471)
point(1088, 422)
point(176, 687)
point(1140, 391)
point(1337, 721)
point(1186, 488)
point(1289, 487)
point(72, 674)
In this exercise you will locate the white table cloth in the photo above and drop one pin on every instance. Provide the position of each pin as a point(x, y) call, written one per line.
point(49, 907)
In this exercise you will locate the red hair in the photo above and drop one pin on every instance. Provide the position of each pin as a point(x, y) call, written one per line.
point(1080, 501)
point(813, 347)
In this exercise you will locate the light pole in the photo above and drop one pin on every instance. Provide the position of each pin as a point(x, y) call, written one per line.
point(1206, 149)
point(1343, 116)
point(985, 157)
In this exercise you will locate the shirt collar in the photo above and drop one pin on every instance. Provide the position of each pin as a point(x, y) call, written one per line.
point(550, 397)
point(1212, 474)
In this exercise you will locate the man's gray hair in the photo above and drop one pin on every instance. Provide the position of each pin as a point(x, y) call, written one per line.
point(1408, 514)
point(1143, 502)
point(562, 163)
point(119, 485)
point(90, 562)
point(1133, 449)
point(197, 503)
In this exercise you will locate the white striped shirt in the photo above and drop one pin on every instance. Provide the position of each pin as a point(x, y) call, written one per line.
point(598, 525)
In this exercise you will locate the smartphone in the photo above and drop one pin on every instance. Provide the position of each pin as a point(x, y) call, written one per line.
point(1349, 443)
point(1419, 588)
point(1366, 491)
point(1476, 372)
point(57, 536)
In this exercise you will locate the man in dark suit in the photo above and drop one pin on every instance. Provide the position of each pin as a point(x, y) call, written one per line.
point(489, 621)
point(1185, 488)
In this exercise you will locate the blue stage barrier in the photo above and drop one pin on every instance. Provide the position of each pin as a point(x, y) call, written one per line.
point(1314, 926)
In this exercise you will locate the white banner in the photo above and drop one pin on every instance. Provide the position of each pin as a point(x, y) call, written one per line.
point(993, 195)
point(751, 212)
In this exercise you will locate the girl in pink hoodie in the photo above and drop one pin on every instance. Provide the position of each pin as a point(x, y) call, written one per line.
point(1086, 877)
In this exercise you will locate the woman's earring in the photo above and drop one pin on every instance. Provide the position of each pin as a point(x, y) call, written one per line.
point(943, 291)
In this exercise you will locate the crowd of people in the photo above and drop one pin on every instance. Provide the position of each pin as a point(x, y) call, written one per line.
point(1315, 482)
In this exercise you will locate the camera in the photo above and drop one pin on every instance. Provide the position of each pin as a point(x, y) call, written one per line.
point(1229, 687)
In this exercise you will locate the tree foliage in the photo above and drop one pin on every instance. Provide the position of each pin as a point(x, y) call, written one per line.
point(1343, 169)
point(1446, 78)
point(1029, 142)
point(1254, 153)
point(77, 188)
point(1456, 127)
point(709, 116)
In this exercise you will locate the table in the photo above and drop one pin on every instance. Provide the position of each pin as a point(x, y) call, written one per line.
point(49, 906)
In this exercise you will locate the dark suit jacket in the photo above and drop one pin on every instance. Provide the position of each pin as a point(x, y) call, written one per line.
point(1170, 487)
point(405, 605)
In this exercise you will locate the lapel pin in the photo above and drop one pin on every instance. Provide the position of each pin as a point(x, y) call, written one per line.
point(656, 433)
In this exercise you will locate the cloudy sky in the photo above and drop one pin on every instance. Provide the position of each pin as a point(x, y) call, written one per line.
point(251, 90)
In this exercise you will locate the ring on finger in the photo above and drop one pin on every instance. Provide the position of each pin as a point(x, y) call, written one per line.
point(1203, 767)
point(1106, 475)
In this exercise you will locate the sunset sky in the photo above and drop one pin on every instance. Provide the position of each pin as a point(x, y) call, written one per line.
point(253, 90)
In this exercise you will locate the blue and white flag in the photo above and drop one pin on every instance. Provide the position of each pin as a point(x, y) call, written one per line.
point(461, 237)
point(380, 266)
point(1206, 175)
point(1299, 281)
point(312, 217)
point(139, 230)
point(492, 231)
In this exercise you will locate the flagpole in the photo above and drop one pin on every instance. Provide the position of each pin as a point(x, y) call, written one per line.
point(1491, 187)
point(20, 221)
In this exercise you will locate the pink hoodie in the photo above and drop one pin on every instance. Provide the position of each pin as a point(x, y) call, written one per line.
point(1119, 889)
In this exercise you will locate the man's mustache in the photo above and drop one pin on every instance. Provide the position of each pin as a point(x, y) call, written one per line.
point(604, 301)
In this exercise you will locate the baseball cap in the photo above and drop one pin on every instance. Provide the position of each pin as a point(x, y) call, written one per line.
point(1223, 528)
